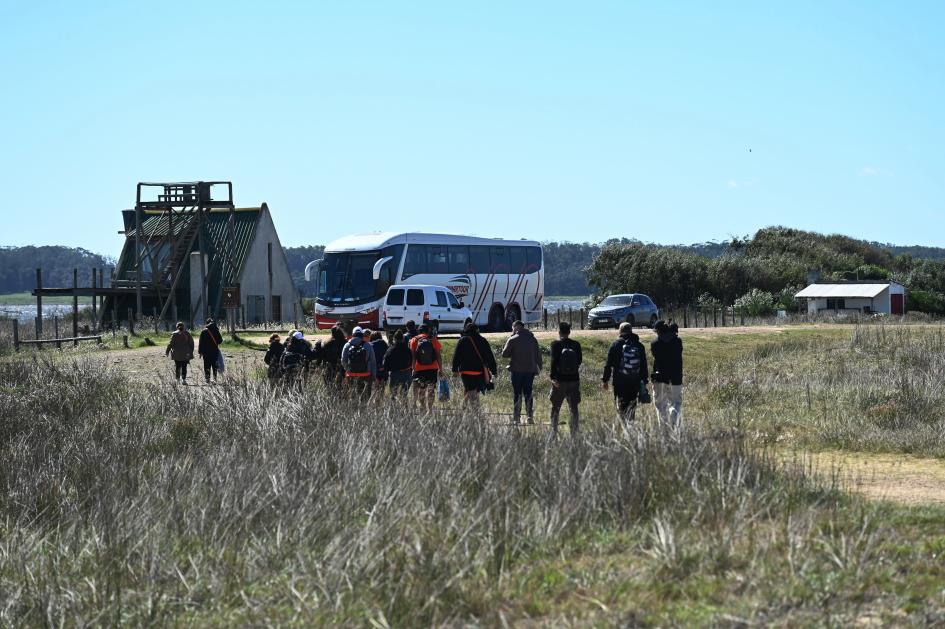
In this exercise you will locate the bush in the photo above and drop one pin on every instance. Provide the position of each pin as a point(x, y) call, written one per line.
point(925, 301)
point(756, 303)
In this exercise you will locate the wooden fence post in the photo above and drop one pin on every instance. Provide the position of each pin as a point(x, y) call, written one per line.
point(75, 306)
point(94, 303)
point(156, 321)
point(16, 335)
point(56, 331)
point(131, 322)
point(581, 314)
point(545, 316)
point(124, 340)
point(39, 303)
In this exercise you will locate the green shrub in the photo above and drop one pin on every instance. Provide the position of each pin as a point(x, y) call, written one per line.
point(756, 303)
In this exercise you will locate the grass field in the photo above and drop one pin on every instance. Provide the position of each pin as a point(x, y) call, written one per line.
point(132, 500)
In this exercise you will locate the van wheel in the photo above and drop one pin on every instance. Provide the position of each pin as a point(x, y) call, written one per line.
point(496, 319)
point(512, 315)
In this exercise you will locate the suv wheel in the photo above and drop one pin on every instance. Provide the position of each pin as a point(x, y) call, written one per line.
point(652, 320)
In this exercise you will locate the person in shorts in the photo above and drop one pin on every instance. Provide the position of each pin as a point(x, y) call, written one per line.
point(427, 366)
point(474, 363)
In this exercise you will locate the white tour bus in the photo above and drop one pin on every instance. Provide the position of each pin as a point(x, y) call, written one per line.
point(499, 280)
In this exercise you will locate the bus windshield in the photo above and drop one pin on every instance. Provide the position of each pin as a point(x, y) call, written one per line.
point(348, 278)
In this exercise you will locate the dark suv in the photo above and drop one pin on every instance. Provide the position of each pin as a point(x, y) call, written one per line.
point(634, 308)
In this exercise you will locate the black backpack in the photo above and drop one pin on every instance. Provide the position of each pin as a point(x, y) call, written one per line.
point(568, 362)
point(630, 360)
point(357, 359)
point(290, 360)
point(426, 353)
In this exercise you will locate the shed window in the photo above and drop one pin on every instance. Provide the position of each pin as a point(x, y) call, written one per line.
point(836, 303)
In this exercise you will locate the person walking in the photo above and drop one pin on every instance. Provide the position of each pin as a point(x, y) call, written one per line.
point(427, 367)
point(566, 359)
point(181, 350)
point(626, 362)
point(295, 358)
point(524, 356)
point(273, 358)
point(357, 359)
point(411, 331)
point(379, 346)
point(208, 347)
point(474, 363)
point(667, 351)
point(329, 356)
point(398, 365)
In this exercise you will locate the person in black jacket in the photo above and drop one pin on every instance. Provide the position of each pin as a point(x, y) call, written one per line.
point(626, 361)
point(379, 347)
point(475, 364)
point(273, 357)
point(296, 356)
point(566, 359)
point(398, 364)
point(667, 352)
point(328, 356)
point(209, 348)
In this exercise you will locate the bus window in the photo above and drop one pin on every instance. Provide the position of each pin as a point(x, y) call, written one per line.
point(414, 296)
point(533, 254)
point(478, 259)
point(517, 259)
point(458, 259)
point(416, 261)
point(500, 259)
point(395, 297)
point(436, 259)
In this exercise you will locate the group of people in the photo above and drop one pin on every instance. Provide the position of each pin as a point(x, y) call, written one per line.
point(363, 364)
point(180, 348)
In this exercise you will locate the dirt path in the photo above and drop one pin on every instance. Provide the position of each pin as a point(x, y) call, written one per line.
point(899, 478)
point(149, 364)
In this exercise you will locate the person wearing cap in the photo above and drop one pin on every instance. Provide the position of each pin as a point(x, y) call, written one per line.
point(667, 350)
point(427, 366)
point(626, 363)
point(298, 352)
point(208, 347)
point(357, 359)
point(525, 360)
point(180, 347)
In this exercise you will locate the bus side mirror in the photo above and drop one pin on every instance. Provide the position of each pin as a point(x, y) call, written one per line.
point(376, 274)
point(314, 264)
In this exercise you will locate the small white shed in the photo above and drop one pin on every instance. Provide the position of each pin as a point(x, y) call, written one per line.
point(849, 297)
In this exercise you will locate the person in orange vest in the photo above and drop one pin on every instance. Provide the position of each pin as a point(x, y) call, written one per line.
point(427, 366)
point(357, 358)
point(475, 363)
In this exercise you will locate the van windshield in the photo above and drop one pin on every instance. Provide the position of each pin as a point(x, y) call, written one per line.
point(347, 279)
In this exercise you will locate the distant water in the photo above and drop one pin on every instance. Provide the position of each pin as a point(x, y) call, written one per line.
point(556, 305)
point(26, 314)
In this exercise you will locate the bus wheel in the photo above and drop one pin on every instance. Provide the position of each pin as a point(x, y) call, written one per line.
point(496, 319)
point(512, 315)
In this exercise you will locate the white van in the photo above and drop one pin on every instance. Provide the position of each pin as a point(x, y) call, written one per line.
point(424, 303)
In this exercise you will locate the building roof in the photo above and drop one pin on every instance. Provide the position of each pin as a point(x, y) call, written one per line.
point(155, 225)
point(378, 240)
point(815, 291)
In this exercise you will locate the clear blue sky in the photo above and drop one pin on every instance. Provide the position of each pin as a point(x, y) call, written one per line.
point(668, 122)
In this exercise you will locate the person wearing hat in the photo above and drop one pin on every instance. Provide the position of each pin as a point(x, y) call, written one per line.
point(181, 349)
point(626, 363)
point(667, 350)
point(525, 360)
point(298, 352)
point(208, 347)
point(427, 366)
point(357, 359)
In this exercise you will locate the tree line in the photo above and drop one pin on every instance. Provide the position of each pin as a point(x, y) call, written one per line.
point(18, 266)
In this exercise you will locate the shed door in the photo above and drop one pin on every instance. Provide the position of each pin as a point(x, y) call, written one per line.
point(896, 304)
point(277, 308)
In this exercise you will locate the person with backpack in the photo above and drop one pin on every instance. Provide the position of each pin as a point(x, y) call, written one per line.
point(379, 346)
point(411, 332)
point(667, 352)
point(357, 359)
point(566, 359)
point(626, 362)
point(427, 366)
point(398, 365)
point(524, 356)
point(208, 347)
point(475, 364)
point(273, 358)
point(295, 358)
point(181, 349)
